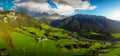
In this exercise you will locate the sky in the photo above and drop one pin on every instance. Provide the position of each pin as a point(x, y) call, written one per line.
point(107, 8)
point(6, 4)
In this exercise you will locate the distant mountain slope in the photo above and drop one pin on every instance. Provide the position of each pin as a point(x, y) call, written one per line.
point(89, 23)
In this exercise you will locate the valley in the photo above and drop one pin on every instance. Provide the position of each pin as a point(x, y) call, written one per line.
point(23, 35)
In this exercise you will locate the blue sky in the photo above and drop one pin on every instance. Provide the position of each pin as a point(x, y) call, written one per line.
point(104, 7)
point(6, 4)
point(52, 4)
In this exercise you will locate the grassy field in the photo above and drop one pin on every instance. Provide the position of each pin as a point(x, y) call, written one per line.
point(3, 44)
point(25, 44)
point(116, 35)
point(113, 52)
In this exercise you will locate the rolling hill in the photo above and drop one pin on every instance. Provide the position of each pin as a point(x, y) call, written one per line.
point(22, 35)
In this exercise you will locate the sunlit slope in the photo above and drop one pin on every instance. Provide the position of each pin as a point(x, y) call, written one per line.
point(23, 35)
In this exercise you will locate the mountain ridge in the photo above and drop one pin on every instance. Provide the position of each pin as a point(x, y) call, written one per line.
point(90, 23)
point(105, 23)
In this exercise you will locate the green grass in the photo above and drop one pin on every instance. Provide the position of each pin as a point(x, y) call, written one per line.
point(96, 46)
point(114, 52)
point(83, 43)
point(57, 29)
point(63, 42)
point(29, 44)
point(116, 35)
point(76, 34)
point(46, 27)
point(60, 34)
point(22, 41)
point(23, 31)
point(107, 45)
point(94, 33)
point(44, 45)
point(3, 44)
point(48, 45)
point(44, 48)
point(87, 33)
point(38, 32)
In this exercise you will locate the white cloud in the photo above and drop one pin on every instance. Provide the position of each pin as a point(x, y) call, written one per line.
point(34, 7)
point(64, 7)
point(17, 0)
point(77, 4)
point(92, 7)
point(45, 7)
point(115, 15)
point(1, 9)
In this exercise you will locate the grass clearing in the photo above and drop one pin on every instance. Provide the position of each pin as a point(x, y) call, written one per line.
point(116, 35)
point(21, 40)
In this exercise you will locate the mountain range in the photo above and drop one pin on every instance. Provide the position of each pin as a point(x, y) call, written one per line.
point(90, 22)
point(79, 35)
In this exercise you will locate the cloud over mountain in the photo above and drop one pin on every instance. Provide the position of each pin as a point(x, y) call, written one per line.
point(115, 15)
point(64, 7)
point(77, 4)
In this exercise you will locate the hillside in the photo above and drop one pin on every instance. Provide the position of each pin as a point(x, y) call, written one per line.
point(22, 35)
point(89, 23)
